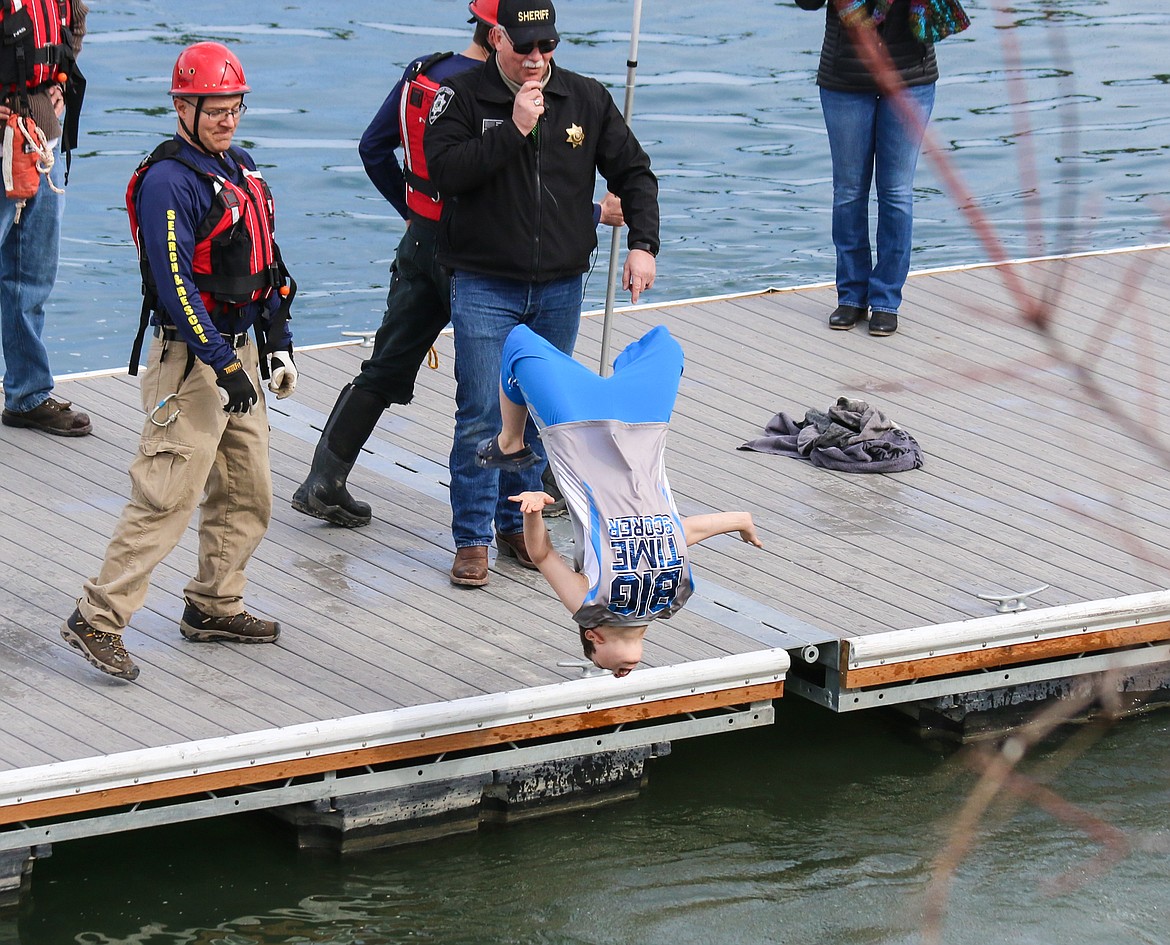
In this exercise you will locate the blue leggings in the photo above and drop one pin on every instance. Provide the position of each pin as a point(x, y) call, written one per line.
point(557, 389)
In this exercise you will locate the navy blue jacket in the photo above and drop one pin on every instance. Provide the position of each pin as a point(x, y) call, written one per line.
point(171, 186)
point(384, 134)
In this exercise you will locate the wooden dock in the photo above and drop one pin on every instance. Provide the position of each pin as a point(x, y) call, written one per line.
point(397, 706)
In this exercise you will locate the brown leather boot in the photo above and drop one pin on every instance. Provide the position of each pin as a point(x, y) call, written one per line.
point(53, 416)
point(512, 546)
point(471, 566)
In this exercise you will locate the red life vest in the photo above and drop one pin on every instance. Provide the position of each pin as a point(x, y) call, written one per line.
point(235, 254)
point(418, 94)
point(37, 43)
point(236, 260)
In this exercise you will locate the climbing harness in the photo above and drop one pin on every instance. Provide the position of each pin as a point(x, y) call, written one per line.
point(27, 157)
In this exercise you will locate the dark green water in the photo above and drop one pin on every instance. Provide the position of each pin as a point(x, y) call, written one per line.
point(821, 829)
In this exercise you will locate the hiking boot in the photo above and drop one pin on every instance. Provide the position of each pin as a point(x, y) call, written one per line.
point(103, 649)
point(238, 628)
point(53, 416)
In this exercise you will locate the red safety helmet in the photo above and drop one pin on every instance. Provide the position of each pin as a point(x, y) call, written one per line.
point(208, 69)
point(486, 11)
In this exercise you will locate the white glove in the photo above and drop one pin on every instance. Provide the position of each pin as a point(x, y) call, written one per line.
point(282, 379)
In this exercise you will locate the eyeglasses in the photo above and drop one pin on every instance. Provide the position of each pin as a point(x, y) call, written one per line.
point(219, 114)
point(523, 49)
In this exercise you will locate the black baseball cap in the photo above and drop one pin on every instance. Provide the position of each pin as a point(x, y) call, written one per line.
point(527, 21)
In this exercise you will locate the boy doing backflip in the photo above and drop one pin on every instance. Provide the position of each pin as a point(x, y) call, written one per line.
point(605, 439)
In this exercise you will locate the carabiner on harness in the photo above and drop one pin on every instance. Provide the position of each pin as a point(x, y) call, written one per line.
point(171, 417)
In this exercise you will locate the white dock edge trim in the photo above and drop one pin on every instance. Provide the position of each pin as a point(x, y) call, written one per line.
point(395, 726)
point(1029, 626)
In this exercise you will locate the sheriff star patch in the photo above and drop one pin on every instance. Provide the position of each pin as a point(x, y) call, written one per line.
point(576, 135)
point(443, 98)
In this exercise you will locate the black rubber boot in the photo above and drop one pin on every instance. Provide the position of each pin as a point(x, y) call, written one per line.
point(323, 494)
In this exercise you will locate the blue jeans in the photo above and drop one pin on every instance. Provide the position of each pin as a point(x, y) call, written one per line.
point(28, 268)
point(869, 140)
point(484, 309)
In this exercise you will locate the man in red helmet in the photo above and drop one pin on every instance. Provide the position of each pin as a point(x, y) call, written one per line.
point(418, 303)
point(202, 217)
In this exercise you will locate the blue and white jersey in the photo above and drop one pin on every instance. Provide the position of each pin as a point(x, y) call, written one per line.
point(628, 535)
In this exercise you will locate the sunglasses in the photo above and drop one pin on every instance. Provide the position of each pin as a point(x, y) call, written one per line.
point(523, 49)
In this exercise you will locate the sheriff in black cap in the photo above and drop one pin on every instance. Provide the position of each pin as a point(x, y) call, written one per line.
point(528, 21)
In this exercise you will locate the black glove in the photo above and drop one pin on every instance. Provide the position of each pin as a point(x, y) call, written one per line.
point(236, 390)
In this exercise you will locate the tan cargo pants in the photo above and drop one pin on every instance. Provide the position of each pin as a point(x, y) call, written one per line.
point(189, 448)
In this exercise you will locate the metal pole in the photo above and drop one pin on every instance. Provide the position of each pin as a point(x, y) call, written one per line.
point(615, 240)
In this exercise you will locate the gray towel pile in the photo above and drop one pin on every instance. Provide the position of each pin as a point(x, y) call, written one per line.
point(851, 436)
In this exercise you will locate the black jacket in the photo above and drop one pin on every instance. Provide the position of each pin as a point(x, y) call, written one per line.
point(841, 69)
point(522, 207)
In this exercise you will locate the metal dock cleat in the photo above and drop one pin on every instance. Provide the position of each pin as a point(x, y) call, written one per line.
point(367, 337)
point(1010, 603)
point(587, 667)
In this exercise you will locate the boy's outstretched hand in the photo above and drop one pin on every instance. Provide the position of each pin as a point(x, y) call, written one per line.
point(534, 501)
point(748, 533)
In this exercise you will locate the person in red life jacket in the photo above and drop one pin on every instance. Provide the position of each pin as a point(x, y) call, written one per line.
point(203, 219)
point(418, 301)
point(40, 81)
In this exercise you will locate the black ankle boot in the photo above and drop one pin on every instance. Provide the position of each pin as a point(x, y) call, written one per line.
point(845, 317)
point(323, 494)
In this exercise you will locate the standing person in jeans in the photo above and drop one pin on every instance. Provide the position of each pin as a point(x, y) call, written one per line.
point(515, 147)
point(870, 139)
point(30, 241)
point(203, 219)
point(418, 303)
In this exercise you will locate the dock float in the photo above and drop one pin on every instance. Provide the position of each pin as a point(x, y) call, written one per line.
point(1022, 563)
